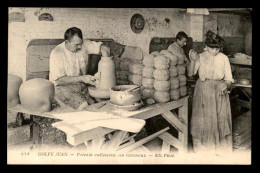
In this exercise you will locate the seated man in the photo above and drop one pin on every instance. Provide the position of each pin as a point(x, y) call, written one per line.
point(68, 68)
point(177, 47)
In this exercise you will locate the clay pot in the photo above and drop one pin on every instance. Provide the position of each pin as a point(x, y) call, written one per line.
point(244, 82)
point(37, 95)
point(14, 83)
point(107, 73)
point(120, 95)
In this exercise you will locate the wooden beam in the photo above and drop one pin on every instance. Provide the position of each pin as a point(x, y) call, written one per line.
point(157, 109)
point(165, 147)
point(126, 144)
point(173, 120)
point(129, 138)
point(90, 134)
point(243, 103)
point(183, 114)
point(95, 144)
point(167, 137)
point(143, 113)
point(143, 141)
point(113, 144)
point(228, 9)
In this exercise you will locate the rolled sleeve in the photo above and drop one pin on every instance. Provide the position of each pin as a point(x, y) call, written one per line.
point(57, 68)
point(178, 51)
point(92, 47)
point(227, 70)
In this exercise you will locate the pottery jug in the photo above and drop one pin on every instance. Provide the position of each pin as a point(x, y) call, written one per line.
point(14, 83)
point(37, 95)
point(106, 73)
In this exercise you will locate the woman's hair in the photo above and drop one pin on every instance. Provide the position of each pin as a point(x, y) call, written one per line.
point(213, 40)
point(71, 32)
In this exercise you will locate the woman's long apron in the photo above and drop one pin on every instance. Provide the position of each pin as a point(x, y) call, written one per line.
point(211, 124)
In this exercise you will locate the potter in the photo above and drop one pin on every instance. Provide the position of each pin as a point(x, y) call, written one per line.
point(68, 68)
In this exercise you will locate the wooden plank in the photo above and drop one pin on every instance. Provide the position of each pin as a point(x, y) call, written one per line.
point(88, 135)
point(242, 135)
point(242, 140)
point(165, 147)
point(158, 109)
point(95, 144)
point(239, 85)
point(129, 138)
point(228, 9)
point(125, 124)
point(173, 120)
point(167, 137)
point(113, 144)
point(143, 113)
point(183, 114)
point(143, 141)
point(126, 144)
point(242, 123)
point(245, 92)
point(19, 108)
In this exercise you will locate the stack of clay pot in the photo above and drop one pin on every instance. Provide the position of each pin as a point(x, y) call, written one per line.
point(148, 79)
point(122, 70)
point(161, 76)
point(135, 72)
point(177, 75)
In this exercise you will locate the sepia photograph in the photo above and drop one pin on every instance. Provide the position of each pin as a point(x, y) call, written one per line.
point(129, 86)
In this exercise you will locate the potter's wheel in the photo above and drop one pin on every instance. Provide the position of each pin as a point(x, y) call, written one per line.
point(132, 107)
point(96, 93)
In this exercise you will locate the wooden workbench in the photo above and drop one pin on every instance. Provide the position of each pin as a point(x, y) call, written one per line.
point(175, 112)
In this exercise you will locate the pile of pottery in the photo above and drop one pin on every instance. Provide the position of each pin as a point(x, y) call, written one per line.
point(163, 76)
point(34, 95)
point(148, 79)
point(135, 72)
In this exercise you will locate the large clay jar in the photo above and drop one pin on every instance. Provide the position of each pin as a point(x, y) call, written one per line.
point(106, 73)
point(13, 84)
point(37, 95)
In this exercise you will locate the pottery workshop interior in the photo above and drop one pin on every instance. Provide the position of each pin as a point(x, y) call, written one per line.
point(156, 84)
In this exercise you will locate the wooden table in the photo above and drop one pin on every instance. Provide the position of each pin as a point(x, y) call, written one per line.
point(240, 102)
point(167, 110)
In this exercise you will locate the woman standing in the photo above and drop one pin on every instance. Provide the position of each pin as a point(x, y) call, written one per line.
point(211, 125)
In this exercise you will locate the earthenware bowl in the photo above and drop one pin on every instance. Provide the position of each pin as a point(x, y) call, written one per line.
point(125, 95)
point(244, 82)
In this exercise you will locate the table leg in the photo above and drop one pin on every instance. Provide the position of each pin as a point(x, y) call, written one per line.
point(183, 115)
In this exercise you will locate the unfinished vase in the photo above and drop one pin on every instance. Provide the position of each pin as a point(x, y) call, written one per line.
point(106, 76)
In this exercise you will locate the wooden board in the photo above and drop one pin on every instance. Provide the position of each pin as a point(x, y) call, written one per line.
point(132, 53)
point(126, 124)
point(143, 113)
point(240, 85)
point(113, 144)
point(166, 137)
point(238, 138)
point(242, 123)
point(143, 141)
point(173, 120)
